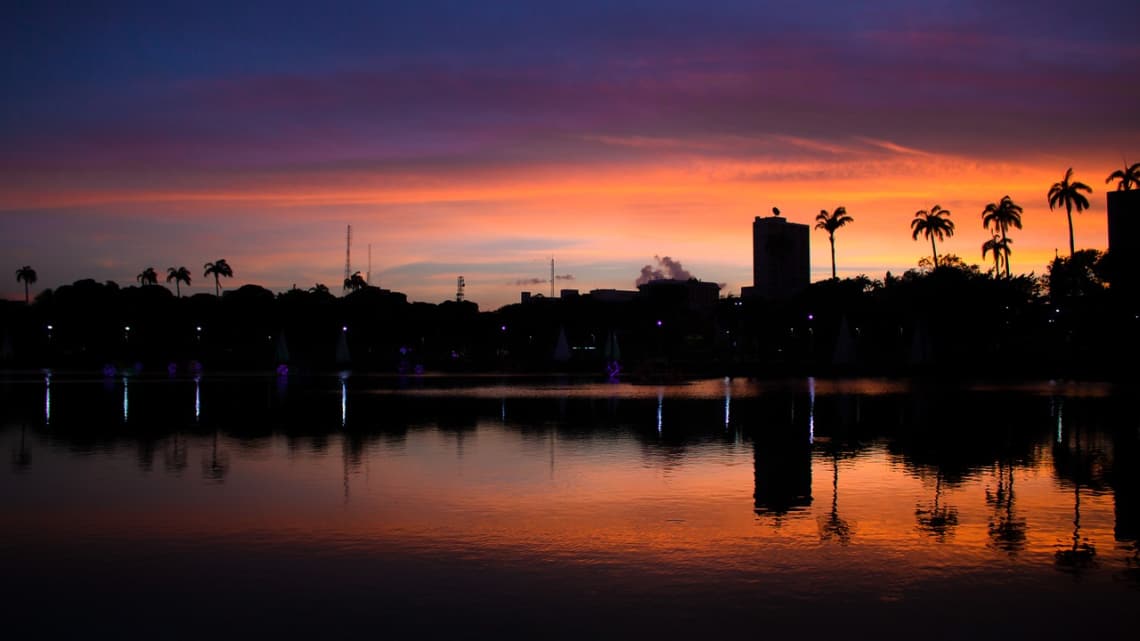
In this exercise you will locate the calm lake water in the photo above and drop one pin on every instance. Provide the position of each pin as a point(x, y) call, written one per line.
point(159, 508)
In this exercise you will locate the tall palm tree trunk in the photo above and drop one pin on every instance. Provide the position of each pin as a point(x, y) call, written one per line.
point(1005, 244)
point(25, 292)
point(1069, 211)
point(935, 251)
point(217, 285)
point(831, 237)
point(178, 287)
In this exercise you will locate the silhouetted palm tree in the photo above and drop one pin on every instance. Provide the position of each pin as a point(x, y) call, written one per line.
point(1000, 247)
point(1068, 193)
point(1129, 177)
point(147, 277)
point(354, 282)
point(830, 223)
point(1001, 216)
point(179, 275)
point(319, 288)
point(27, 275)
point(933, 224)
point(218, 268)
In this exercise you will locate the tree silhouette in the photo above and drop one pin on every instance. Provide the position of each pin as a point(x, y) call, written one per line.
point(179, 275)
point(830, 223)
point(933, 224)
point(218, 268)
point(1001, 216)
point(147, 277)
point(319, 288)
point(355, 282)
point(1001, 250)
point(1129, 177)
point(27, 275)
point(1068, 193)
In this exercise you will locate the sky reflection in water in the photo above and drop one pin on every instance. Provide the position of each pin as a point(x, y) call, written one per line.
point(738, 500)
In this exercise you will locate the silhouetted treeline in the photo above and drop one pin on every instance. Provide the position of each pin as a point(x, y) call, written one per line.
point(953, 319)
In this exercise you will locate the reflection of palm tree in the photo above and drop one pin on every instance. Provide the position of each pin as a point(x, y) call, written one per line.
point(179, 275)
point(1082, 554)
point(1068, 193)
point(1001, 251)
point(218, 268)
point(832, 527)
point(830, 223)
point(933, 224)
point(22, 458)
point(1007, 531)
point(218, 465)
point(939, 520)
point(1129, 177)
point(26, 275)
point(1001, 216)
point(147, 277)
point(175, 456)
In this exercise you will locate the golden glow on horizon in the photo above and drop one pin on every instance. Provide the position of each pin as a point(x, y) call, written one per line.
point(695, 208)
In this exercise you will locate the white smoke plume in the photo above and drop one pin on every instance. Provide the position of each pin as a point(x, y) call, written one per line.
point(667, 268)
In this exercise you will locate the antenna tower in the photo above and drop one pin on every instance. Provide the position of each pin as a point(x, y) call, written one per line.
point(552, 277)
point(348, 254)
point(459, 285)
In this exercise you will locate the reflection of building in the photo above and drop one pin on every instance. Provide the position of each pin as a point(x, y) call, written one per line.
point(781, 257)
point(782, 465)
point(1124, 236)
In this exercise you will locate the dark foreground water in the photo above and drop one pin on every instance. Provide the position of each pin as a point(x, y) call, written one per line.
point(433, 508)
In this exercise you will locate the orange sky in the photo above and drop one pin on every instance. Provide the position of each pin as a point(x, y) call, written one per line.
point(466, 141)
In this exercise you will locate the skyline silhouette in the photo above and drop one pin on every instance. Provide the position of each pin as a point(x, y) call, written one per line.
point(459, 140)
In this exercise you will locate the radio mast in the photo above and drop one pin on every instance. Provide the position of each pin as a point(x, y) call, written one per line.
point(348, 254)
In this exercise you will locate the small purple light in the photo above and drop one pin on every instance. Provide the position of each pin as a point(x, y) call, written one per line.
point(282, 370)
point(502, 328)
point(344, 328)
point(659, 323)
point(811, 316)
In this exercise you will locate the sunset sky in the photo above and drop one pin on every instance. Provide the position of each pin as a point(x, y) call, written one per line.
point(481, 139)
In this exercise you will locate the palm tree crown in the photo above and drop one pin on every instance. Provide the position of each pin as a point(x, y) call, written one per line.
point(147, 277)
point(218, 268)
point(26, 275)
point(354, 282)
point(1129, 177)
point(1068, 193)
point(178, 275)
point(933, 224)
point(830, 223)
point(1001, 216)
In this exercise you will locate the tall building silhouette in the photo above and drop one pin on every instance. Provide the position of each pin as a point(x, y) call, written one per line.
point(781, 257)
point(1124, 237)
